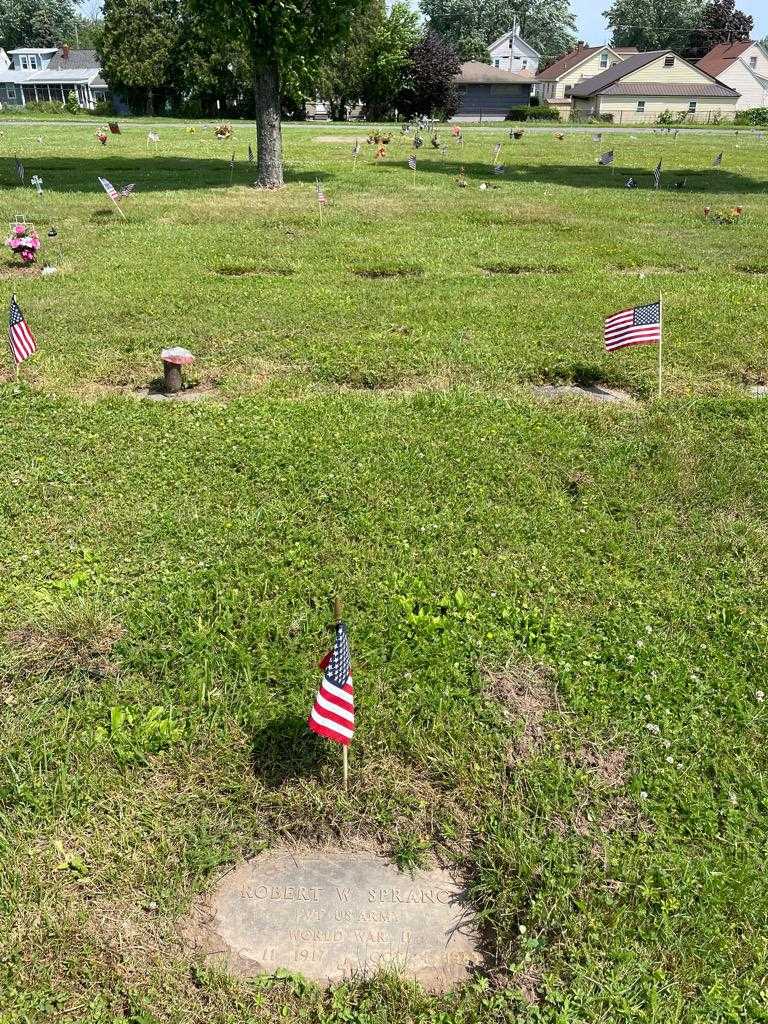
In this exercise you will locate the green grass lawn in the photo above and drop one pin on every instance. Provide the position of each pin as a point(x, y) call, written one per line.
point(557, 610)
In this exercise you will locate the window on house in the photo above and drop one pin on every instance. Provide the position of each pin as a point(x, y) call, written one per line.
point(753, 62)
point(692, 107)
point(669, 62)
point(32, 61)
point(24, 61)
point(568, 91)
point(641, 106)
point(497, 63)
point(10, 93)
point(603, 60)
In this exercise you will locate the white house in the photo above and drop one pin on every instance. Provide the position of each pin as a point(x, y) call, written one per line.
point(742, 66)
point(48, 74)
point(647, 85)
point(512, 53)
point(555, 84)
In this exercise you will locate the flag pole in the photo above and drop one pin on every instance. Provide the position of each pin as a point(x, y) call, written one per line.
point(661, 335)
point(345, 748)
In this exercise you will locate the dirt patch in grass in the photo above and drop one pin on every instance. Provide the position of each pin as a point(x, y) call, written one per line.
point(391, 385)
point(516, 269)
point(526, 693)
point(754, 269)
point(68, 640)
point(231, 271)
point(15, 271)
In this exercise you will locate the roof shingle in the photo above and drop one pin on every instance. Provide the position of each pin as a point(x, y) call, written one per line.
point(721, 57)
point(575, 57)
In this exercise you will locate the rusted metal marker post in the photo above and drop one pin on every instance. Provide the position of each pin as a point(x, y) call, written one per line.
point(173, 360)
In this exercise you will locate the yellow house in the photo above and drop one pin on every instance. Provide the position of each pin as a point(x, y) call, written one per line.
point(555, 83)
point(646, 85)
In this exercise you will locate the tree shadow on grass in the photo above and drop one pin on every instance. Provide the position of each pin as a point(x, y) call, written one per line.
point(284, 750)
point(148, 174)
point(711, 180)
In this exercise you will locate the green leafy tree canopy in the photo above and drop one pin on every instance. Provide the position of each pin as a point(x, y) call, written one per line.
point(36, 22)
point(653, 24)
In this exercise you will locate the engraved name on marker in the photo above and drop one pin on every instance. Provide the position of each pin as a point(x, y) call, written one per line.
point(328, 915)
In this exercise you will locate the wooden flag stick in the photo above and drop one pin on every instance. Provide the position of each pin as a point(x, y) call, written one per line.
point(661, 335)
point(345, 748)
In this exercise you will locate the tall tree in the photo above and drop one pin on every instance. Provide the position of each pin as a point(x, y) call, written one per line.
point(283, 37)
point(653, 24)
point(138, 46)
point(35, 22)
point(369, 63)
point(721, 22)
point(429, 88)
point(470, 25)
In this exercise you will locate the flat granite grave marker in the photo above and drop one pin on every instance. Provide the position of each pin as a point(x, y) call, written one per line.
point(328, 915)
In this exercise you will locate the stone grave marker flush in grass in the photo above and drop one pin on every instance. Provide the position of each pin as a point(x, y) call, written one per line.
point(331, 914)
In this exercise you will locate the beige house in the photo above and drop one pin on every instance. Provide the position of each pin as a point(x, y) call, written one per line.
point(743, 66)
point(555, 84)
point(646, 85)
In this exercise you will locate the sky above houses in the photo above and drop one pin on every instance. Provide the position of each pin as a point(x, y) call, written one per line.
point(592, 26)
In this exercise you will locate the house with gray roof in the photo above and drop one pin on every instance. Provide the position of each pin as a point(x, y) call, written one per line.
point(646, 85)
point(48, 75)
point(487, 93)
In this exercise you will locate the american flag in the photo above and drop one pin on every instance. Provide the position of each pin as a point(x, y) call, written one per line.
point(321, 197)
point(250, 154)
point(110, 189)
point(232, 162)
point(333, 713)
point(356, 148)
point(153, 137)
point(22, 340)
point(640, 325)
point(597, 137)
point(631, 183)
point(606, 158)
point(718, 160)
point(19, 169)
point(499, 168)
point(126, 190)
point(657, 175)
point(412, 161)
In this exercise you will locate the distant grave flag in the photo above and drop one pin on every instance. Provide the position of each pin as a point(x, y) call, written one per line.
point(640, 325)
point(232, 162)
point(113, 194)
point(126, 190)
point(418, 142)
point(412, 161)
point(22, 340)
point(597, 137)
point(37, 181)
point(250, 154)
point(498, 168)
point(496, 151)
point(355, 154)
point(631, 183)
point(718, 160)
point(657, 175)
point(152, 138)
point(606, 159)
point(322, 199)
point(20, 170)
point(333, 713)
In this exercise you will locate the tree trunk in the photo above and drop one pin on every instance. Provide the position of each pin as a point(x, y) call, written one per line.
point(150, 102)
point(269, 141)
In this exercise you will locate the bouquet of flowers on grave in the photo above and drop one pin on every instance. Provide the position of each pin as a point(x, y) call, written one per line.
point(731, 216)
point(23, 242)
point(101, 135)
point(224, 131)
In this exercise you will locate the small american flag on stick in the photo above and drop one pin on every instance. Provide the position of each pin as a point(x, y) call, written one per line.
point(606, 158)
point(19, 170)
point(22, 340)
point(333, 713)
point(640, 325)
point(412, 162)
point(657, 175)
point(718, 160)
point(322, 199)
point(250, 154)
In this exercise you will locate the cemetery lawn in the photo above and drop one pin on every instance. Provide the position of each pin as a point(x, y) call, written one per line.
point(557, 609)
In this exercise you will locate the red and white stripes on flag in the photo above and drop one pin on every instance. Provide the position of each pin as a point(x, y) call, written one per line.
point(640, 325)
point(321, 197)
point(110, 189)
point(22, 340)
point(333, 713)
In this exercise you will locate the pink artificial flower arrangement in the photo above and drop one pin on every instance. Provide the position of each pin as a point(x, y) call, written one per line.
point(23, 242)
